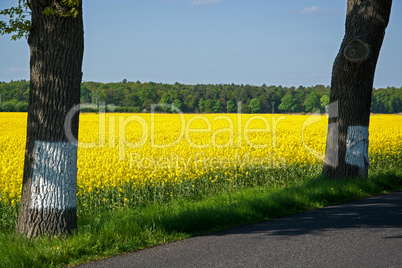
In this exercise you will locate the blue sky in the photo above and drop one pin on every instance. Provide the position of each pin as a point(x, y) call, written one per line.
point(276, 42)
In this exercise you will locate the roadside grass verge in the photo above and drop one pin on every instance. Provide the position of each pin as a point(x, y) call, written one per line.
point(104, 232)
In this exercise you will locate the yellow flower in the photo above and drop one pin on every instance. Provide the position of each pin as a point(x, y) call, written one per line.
point(212, 152)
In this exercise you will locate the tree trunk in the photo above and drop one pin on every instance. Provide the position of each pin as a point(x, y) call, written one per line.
point(351, 88)
point(48, 199)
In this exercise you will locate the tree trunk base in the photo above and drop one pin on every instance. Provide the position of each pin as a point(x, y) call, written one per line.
point(51, 222)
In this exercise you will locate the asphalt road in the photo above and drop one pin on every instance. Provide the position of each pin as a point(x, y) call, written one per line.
point(365, 233)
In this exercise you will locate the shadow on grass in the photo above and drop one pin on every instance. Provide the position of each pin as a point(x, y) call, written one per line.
point(255, 205)
point(115, 232)
point(378, 212)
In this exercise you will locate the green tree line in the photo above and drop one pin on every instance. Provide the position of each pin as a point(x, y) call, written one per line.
point(201, 98)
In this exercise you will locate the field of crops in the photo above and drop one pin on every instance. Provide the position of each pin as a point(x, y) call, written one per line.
point(133, 152)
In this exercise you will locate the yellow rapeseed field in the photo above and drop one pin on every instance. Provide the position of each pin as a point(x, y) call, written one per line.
point(154, 149)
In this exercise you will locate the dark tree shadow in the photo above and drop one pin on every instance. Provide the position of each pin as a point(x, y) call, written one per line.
point(377, 212)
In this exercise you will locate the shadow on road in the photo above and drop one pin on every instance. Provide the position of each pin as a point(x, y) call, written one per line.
point(384, 212)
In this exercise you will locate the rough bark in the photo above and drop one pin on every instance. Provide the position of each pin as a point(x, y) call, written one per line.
point(351, 88)
point(48, 199)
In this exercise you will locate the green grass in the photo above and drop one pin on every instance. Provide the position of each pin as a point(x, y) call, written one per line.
point(158, 217)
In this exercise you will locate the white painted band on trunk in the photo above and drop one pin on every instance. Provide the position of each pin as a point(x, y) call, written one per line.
point(54, 177)
point(357, 143)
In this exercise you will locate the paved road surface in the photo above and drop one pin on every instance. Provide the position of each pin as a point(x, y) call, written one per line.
point(365, 233)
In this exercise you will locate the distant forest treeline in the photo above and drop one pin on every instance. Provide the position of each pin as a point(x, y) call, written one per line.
point(201, 98)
